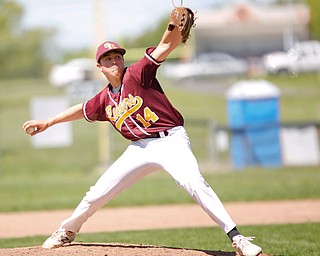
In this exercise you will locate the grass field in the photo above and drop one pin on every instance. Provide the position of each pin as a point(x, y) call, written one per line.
point(293, 240)
point(36, 190)
point(34, 179)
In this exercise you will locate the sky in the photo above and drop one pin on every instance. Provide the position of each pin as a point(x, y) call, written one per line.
point(76, 20)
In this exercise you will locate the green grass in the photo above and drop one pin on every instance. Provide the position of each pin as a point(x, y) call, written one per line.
point(60, 191)
point(299, 239)
point(299, 97)
point(34, 179)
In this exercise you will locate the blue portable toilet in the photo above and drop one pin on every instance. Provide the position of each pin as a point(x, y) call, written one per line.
point(254, 120)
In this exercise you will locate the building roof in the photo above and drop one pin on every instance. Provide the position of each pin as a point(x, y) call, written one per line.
point(246, 14)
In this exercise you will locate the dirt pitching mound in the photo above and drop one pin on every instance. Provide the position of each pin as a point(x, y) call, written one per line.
point(112, 249)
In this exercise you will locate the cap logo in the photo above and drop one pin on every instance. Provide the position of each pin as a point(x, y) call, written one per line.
point(109, 46)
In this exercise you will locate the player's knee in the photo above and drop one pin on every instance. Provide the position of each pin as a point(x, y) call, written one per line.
point(199, 190)
point(194, 184)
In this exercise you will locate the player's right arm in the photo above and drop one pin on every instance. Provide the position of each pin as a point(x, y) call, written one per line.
point(71, 114)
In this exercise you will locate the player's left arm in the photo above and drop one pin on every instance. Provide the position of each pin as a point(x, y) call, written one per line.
point(181, 21)
point(170, 40)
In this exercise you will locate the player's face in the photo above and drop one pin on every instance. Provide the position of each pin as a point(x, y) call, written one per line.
point(112, 65)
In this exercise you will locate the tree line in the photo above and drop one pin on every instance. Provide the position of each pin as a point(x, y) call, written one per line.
point(24, 53)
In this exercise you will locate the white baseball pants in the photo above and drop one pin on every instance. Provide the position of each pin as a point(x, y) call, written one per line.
point(171, 153)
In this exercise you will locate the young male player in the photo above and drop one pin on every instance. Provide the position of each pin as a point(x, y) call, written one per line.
point(135, 104)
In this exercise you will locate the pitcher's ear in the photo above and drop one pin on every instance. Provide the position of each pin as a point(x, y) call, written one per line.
point(99, 67)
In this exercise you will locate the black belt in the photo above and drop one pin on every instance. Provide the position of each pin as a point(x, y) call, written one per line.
point(158, 134)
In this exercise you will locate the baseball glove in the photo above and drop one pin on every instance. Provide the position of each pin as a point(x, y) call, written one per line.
point(183, 19)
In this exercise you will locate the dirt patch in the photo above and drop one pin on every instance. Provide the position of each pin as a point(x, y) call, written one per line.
point(22, 224)
point(140, 218)
point(113, 249)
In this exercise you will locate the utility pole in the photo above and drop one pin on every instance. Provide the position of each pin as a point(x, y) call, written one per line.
point(100, 36)
point(288, 35)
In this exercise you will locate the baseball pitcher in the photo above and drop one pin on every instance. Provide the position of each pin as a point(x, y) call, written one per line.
point(137, 107)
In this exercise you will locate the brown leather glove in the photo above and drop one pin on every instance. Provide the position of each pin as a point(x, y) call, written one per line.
point(183, 19)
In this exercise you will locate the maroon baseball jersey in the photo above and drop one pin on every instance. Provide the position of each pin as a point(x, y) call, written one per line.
point(140, 108)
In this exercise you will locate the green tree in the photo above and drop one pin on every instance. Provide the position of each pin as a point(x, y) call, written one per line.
point(315, 18)
point(10, 16)
point(22, 53)
point(149, 37)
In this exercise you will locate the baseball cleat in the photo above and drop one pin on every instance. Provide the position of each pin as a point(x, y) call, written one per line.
point(244, 247)
point(59, 238)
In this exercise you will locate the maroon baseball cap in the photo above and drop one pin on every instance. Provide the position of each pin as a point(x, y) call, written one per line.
point(108, 46)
